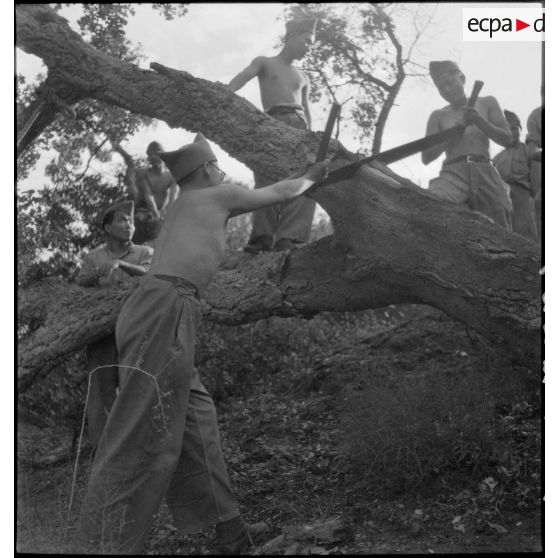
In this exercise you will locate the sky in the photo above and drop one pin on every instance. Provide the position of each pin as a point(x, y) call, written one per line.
point(216, 41)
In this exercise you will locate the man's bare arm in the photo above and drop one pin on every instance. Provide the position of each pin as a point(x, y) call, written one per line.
point(253, 70)
point(170, 195)
point(432, 127)
point(238, 200)
point(132, 269)
point(495, 126)
point(146, 194)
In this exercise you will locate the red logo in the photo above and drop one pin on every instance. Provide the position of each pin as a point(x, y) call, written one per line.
point(519, 25)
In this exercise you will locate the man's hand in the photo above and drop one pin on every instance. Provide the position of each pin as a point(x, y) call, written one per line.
point(317, 171)
point(107, 269)
point(470, 115)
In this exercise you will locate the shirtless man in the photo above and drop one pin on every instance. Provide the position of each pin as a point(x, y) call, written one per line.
point(155, 188)
point(161, 437)
point(467, 175)
point(284, 93)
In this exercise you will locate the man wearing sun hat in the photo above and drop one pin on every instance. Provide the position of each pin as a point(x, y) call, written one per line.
point(284, 93)
point(514, 166)
point(468, 176)
point(161, 438)
point(117, 261)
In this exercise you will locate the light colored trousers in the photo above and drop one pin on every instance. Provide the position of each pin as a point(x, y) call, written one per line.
point(477, 185)
point(291, 219)
point(161, 438)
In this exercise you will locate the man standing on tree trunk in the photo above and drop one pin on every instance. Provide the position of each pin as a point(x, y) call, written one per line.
point(284, 93)
point(468, 176)
point(161, 438)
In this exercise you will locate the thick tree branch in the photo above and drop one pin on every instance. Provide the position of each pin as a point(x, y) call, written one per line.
point(391, 243)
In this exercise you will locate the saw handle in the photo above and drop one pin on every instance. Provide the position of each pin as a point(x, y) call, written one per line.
point(477, 86)
point(326, 137)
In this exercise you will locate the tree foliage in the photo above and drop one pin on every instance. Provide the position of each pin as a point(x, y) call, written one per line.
point(58, 222)
point(360, 60)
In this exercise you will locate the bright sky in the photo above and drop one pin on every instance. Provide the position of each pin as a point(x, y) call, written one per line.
point(216, 41)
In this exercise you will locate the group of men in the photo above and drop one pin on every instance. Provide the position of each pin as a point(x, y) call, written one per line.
point(151, 421)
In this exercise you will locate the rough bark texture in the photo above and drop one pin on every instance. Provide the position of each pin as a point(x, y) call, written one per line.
point(391, 244)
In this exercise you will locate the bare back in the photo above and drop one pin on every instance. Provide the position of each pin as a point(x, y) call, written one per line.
point(473, 141)
point(280, 83)
point(191, 244)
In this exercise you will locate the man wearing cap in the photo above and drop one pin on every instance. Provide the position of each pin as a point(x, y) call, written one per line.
point(117, 261)
point(154, 188)
point(161, 437)
point(468, 176)
point(534, 149)
point(284, 93)
point(513, 164)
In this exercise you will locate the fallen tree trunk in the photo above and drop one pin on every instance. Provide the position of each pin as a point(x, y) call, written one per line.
point(391, 243)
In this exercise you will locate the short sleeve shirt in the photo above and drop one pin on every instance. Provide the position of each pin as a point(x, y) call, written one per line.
point(136, 254)
point(513, 165)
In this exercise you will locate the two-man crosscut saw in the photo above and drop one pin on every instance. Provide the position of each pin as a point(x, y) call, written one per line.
point(396, 153)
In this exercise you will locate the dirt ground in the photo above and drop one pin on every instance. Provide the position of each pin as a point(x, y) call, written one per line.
point(285, 441)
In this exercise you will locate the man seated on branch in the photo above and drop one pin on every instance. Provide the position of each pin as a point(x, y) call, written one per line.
point(161, 438)
point(468, 176)
point(284, 93)
point(514, 167)
point(117, 261)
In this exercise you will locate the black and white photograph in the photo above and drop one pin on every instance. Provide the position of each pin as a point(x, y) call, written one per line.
point(279, 278)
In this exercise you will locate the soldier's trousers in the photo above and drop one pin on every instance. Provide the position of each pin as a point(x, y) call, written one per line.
point(291, 219)
point(161, 437)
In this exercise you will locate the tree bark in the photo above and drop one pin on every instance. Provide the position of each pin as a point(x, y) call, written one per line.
point(391, 243)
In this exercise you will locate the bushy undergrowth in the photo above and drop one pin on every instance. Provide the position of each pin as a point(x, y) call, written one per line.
point(455, 414)
point(416, 404)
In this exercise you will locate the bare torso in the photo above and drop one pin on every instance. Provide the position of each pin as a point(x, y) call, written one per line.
point(280, 83)
point(158, 182)
point(473, 141)
point(191, 244)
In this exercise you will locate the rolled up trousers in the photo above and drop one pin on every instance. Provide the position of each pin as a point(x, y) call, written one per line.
point(477, 185)
point(291, 219)
point(161, 437)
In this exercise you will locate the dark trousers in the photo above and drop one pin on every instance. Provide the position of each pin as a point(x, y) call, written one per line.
point(161, 437)
point(103, 381)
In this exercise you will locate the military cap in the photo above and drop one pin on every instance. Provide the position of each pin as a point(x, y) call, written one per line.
point(512, 118)
point(154, 146)
point(188, 158)
point(126, 207)
point(438, 69)
point(305, 25)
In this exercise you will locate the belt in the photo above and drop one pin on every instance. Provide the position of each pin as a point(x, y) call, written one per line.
point(468, 159)
point(285, 108)
point(179, 282)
